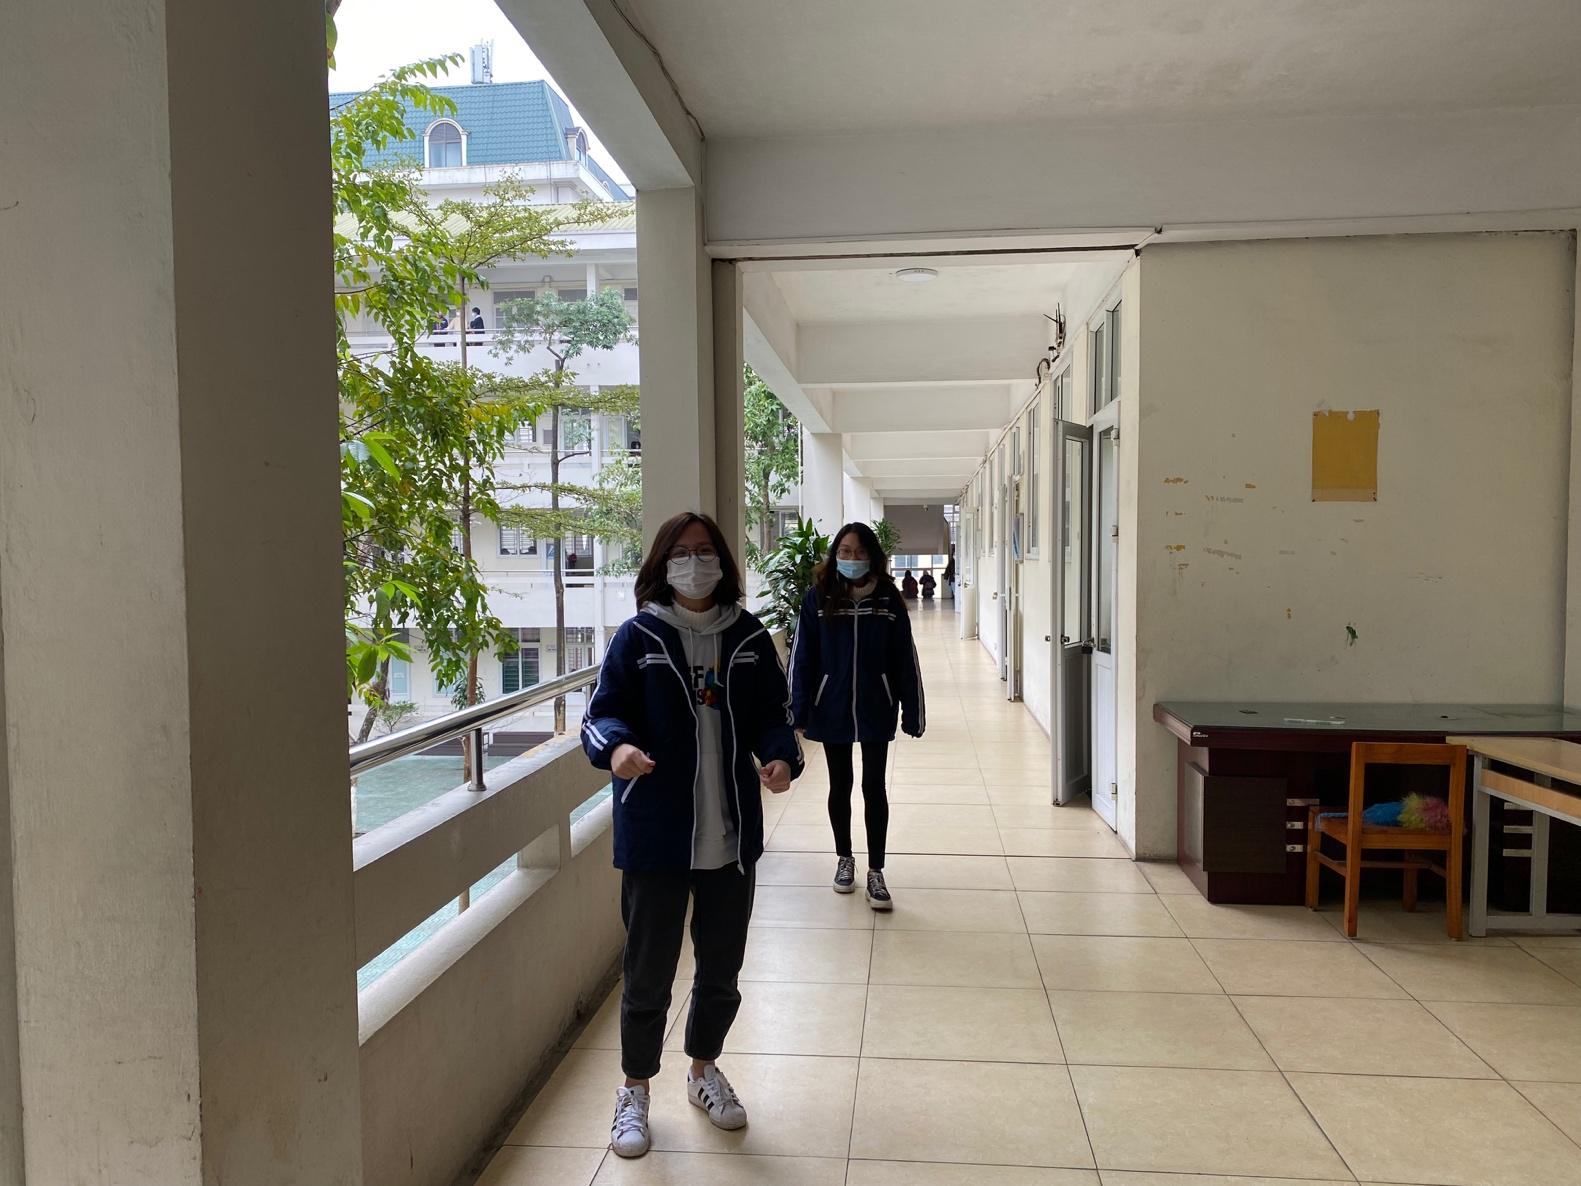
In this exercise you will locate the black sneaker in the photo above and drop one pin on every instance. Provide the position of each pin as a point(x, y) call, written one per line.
point(845, 876)
point(877, 892)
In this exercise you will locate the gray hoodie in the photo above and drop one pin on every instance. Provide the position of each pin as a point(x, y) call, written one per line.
point(714, 840)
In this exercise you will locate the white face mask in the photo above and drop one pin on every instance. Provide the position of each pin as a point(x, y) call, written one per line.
point(693, 577)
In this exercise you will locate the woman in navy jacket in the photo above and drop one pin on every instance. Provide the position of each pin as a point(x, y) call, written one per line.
point(854, 675)
point(690, 693)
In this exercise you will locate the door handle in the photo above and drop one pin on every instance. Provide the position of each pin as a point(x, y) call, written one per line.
point(1048, 638)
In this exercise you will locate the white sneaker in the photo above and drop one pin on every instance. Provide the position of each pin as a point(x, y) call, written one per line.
point(628, 1135)
point(713, 1094)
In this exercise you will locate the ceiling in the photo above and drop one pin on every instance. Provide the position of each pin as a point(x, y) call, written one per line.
point(962, 289)
point(747, 68)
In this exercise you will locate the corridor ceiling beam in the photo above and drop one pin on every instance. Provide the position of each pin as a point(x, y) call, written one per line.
point(947, 408)
point(964, 350)
point(617, 85)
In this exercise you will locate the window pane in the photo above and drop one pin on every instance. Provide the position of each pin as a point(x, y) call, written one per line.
point(1100, 369)
point(504, 299)
point(1114, 353)
point(1073, 536)
point(1034, 446)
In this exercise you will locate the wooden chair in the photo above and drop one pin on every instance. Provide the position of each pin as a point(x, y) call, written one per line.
point(1358, 836)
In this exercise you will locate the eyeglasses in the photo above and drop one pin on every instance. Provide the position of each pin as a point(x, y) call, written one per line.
point(705, 553)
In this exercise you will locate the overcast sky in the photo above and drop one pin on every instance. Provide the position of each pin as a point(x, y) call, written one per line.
point(374, 36)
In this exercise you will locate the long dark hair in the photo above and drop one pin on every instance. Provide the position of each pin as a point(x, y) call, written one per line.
point(653, 581)
point(834, 589)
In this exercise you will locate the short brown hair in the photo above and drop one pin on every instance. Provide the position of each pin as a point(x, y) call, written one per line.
point(653, 581)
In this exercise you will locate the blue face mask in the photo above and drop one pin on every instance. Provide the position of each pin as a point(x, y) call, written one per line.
point(853, 570)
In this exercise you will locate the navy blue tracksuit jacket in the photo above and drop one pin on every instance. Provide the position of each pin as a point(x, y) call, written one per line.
point(646, 697)
point(854, 670)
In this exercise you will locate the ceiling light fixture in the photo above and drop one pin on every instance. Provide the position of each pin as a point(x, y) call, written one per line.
point(916, 275)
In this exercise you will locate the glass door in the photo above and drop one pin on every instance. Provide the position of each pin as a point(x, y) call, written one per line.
point(1071, 553)
point(1101, 617)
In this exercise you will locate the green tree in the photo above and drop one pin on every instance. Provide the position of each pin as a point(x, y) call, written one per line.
point(566, 330)
point(888, 536)
point(420, 431)
point(773, 461)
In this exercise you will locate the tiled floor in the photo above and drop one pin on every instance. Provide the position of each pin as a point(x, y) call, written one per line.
point(1040, 1011)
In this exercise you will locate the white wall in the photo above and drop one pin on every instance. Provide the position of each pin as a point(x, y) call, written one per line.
point(1453, 579)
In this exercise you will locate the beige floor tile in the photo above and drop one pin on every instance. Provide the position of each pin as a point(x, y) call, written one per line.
point(716, 1169)
point(1061, 842)
point(1294, 968)
point(954, 910)
point(1151, 1029)
point(968, 1024)
point(1096, 914)
point(575, 1107)
point(1166, 877)
point(1453, 972)
point(1044, 815)
point(943, 841)
point(968, 1112)
point(818, 907)
point(1077, 874)
point(1388, 922)
point(776, 1018)
point(799, 1107)
point(1565, 961)
point(1560, 1102)
point(1541, 1042)
point(807, 956)
point(603, 1031)
point(800, 868)
point(792, 837)
point(519, 1166)
point(1026, 794)
point(904, 789)
point(946, 871)
point(952, 958)
point(911, 1173)
point(1132, 1178)
point(1117, 963)
point(1457, 1132)
point(1534, 942)
point(1341, 1035)
point(1202, 1122)
point(1202, 919)
point(940, 815)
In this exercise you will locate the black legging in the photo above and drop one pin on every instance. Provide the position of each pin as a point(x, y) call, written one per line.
point(875, 802)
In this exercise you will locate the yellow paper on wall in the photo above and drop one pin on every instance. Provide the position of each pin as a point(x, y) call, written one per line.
point(1345, 456)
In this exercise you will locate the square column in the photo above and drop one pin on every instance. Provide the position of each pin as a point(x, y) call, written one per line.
point(823, 480)
point(182, 1004)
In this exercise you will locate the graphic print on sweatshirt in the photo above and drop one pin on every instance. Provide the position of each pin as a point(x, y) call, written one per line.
point(706, 687)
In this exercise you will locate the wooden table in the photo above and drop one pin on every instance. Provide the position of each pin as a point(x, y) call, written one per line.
point(1521, 771)
point(1247, 771)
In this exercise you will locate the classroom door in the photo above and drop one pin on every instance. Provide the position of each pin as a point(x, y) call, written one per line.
point(1105, 573)
point(1071, 640)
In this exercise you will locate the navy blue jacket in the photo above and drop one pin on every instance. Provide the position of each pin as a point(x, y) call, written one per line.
point(854, 670)
point(645, 698)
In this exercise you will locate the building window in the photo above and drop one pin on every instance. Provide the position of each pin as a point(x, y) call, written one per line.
point(1063, 404)
point(578, 647)
point(570, 295)
point(786, 523)
point(631, 296)
point(446, 150)
point(1105, 340)
point(525, 436)
point(508, 299)
point(519, 669)
point(516, 541)
point(399, 690)
point(1034, 448)
point(578, 552)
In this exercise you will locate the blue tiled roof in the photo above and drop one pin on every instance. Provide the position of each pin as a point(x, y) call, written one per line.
point(507, 123)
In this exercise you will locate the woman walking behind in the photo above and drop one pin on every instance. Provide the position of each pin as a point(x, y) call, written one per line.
point(854, 674)
point(690, 693)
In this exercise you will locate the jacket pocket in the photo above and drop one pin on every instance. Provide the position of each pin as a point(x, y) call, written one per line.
point(887, 692)
point(819, 696)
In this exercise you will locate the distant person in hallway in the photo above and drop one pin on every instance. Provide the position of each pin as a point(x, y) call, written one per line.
point(854, 675)
point(690, 693)
point(908, 586)
point(949, 576)
point(928, 586)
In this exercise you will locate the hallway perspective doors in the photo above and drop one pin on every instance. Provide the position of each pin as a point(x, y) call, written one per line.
point(1071, 640)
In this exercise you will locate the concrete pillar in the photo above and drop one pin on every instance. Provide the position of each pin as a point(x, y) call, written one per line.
point(1572, 688)
point(730, 462)
point(174, 763)
point(823, 480)
point(676, 352)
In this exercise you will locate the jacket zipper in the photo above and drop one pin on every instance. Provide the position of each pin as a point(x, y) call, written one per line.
point(691, 704)
point(887, 692)
point(856, 651)
point(734, 749)
point(626, 794)
point(819, 696)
